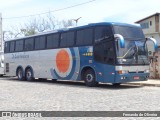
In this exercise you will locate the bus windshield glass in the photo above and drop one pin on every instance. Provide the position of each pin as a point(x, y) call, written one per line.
point(129, 32)
point(134, 52)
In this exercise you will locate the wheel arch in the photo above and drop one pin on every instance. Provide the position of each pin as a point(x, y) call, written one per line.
point(86, 68)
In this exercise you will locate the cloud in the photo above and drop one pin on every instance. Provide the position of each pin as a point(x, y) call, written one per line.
point(112, 10)
point(127, 11)
point(9, 3)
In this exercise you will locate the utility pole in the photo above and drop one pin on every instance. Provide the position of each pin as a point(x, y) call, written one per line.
point(76, 20)
point(1, 34)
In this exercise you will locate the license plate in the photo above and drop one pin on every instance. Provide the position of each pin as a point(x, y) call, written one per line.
point(136, 78)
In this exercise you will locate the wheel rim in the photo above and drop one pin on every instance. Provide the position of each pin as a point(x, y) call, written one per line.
point(28, 74)
point(89, 77)
point(19, 74)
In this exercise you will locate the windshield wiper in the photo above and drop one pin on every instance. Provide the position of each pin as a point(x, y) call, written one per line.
point(137, 58)
point(122, 57)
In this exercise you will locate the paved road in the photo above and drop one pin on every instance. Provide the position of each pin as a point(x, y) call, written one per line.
point(49, 96)
point(42, 95)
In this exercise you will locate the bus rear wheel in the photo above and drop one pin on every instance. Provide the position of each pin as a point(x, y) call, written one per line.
point(29, 74)
point(89, 78)
point(20, 74)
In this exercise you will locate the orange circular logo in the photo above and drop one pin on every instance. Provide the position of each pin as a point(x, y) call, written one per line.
point(62, 61)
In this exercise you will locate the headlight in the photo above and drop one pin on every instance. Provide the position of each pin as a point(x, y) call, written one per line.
point(122, 71)
point(146, 71)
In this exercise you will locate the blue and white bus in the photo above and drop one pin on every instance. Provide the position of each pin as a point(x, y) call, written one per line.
point(101, 52)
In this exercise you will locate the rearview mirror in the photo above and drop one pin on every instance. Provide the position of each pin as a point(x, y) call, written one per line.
point(121, 39)
point(151, 45)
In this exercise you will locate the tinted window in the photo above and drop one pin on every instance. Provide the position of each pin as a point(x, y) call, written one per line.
point(52, 41)
point(12, 46)
point(19, 45)
point(67, 39)
point(29, 44)
point(40, 42)
point(84, 37)
point(6, 47)
point(104, 52)
point(103, 32)
point(129, 32)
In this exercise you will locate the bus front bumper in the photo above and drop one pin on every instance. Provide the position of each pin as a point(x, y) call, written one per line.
point(131, 77)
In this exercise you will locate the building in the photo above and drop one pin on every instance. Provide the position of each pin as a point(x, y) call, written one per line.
point(1, 33)
point(151, 26)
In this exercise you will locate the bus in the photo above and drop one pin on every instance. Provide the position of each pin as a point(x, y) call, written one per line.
point(104, 52)
point(1, 63)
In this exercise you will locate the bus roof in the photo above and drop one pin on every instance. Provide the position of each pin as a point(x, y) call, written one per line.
point(78, 27)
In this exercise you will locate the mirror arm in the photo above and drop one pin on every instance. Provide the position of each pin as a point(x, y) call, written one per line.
point(120, 37)
point(154, 41)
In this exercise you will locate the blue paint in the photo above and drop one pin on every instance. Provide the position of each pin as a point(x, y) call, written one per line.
point(109, 73)
point(122, 43)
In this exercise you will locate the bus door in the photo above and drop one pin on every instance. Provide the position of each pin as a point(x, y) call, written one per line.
point(104, 55)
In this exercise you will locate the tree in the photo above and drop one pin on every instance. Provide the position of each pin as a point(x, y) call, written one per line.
point(37, 25)
point(67, 23)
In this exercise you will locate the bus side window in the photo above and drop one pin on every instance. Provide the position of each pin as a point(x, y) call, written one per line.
point(70, 38)
point(84, 37)
point(63, 41)
point(19, 46)
point(104, 52)
point(28, 45)
point(6, 47)
point(40, 42)
point(12, 46)
point(52, 41)
point(102, 33)
point(67, 39)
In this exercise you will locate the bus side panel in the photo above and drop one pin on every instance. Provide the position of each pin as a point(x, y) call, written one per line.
point(61, 63)
point(9, 65)
point(22, 59)
point(64, 63)
point(86, 59)
point(105, 73)
point(32, 61)
point(46, 62)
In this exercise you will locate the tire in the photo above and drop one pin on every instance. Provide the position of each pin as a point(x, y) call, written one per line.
point(1, 75)
point(20, 74)
point(89, 78)
point(116, 84)
point(29, 74)
point(54, 80)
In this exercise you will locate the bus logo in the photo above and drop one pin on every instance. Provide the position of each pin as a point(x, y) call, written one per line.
point(67, 64)
point(62, 61)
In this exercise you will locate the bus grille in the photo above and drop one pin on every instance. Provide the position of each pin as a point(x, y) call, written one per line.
point(7, 67)
point(137, 72)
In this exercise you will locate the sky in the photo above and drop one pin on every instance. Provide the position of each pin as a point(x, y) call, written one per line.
point(126, 11)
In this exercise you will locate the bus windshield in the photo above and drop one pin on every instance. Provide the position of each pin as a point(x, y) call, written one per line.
point(129, 32)
point(135, 52)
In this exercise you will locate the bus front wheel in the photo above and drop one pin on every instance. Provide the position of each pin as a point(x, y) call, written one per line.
point(29, 75)
point(116, 84)
point(20, 74)
point(89, 78)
